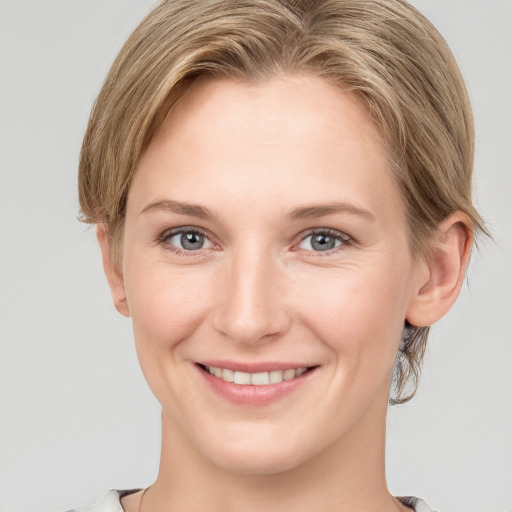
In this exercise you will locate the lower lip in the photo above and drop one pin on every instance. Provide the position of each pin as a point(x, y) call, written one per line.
point(252, 395)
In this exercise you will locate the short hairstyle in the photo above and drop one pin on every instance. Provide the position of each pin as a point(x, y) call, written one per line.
point(383, 51)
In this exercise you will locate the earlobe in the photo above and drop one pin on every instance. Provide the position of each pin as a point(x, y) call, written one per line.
point(446, 267)
point(113, 274)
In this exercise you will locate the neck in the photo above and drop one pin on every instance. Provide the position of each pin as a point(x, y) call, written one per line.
point(347, 476)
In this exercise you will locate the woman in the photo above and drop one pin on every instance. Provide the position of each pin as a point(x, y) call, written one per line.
point(282, 195)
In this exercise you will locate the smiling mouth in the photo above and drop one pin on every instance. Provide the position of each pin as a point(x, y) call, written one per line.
point(255, 379)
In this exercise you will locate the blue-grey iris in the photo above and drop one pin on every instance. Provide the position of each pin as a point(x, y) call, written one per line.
point(322, 242)
point(192, 241)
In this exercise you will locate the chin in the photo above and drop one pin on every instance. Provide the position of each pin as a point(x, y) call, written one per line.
point(265, 462)
point(257, 455)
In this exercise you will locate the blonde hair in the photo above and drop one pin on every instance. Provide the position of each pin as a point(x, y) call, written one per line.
point(384, 51)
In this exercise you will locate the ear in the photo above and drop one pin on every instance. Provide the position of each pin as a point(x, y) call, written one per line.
point(438, 288)
point(114, 275)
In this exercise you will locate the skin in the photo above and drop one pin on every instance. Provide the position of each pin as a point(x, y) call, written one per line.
point(252, 155)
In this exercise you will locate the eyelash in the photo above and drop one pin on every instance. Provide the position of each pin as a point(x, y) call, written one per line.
point(345, 240)
point(164, 238)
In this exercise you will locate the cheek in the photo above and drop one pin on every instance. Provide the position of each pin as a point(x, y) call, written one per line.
point(166, 304)
point(355, 311)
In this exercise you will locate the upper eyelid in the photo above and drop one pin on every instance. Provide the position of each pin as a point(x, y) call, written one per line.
point(332, 232)
point(168, 233)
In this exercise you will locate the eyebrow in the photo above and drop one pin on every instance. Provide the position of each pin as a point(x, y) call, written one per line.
point(305, 212)
point(192, 210)
point(321, 210)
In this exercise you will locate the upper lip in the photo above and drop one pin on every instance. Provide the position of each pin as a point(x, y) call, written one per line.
point(256, 367)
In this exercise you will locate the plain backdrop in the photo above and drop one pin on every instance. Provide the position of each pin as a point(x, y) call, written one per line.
point(76, 416)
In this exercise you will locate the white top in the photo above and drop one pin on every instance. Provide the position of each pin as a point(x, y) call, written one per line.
point(110, 502)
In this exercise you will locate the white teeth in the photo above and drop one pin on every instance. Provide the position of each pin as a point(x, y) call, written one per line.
point(275, 376)
point(260, 379)
point(255, 379)
point(228, 375)
point(288, 374)
point(242, 378)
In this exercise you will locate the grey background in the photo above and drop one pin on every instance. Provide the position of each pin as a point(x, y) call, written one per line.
point(76, 416)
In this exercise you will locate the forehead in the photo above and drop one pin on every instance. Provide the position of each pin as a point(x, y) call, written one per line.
point(283, 110)
point(296, 138)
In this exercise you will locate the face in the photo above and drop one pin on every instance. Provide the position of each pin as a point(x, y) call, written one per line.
point(267, 271)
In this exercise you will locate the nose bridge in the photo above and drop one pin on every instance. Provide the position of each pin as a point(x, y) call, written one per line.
point(251, 308)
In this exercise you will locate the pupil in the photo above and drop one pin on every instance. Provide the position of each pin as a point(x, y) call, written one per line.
point(323, 242)
point(192, 241)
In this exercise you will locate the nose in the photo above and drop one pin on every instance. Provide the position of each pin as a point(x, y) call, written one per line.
point(251, 307)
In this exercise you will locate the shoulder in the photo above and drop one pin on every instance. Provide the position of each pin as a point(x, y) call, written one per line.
point(109, 502)
point(417, 504)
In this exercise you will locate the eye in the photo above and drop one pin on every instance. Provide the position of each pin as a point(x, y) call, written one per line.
point(187, 240)
point(322, 241)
